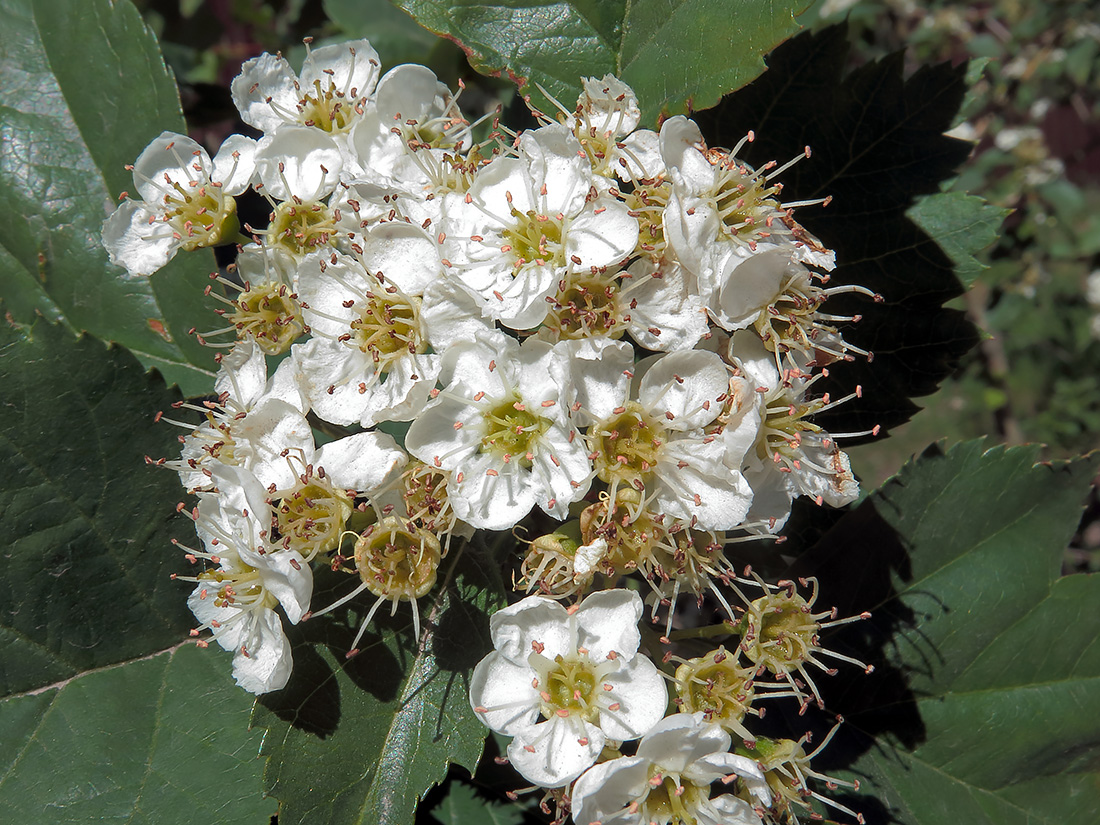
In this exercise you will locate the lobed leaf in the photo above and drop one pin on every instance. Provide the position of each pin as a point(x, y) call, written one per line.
point(103, 714)
point(988, 680)
point(676, 54)
point(85, 90)
point(962, 225)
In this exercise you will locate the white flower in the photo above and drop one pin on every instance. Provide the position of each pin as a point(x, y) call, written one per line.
point(563, 682)
point(669, 780)
point(369, 358)
point(186, 201)
point(662, 444)
point(529, 221)
point(237, 599)
point(255, 421)
point(330, 96)
point(503, 427)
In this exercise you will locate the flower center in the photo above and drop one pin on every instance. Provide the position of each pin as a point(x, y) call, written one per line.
point(745, 202)
point(784, 423)
point(647, 204)
point(535, 239)
point(588, 306)
point(326, 108)
point(715, 685)
point(312, 517)
point(670, 802)
point(270, 315)
point(631, 532)
point(513, 431)
point(781, 631)
point(388, 328)
point(568, 686)
point(395, 562)
point(202, 216)
point(627, 446)
point(300, 228)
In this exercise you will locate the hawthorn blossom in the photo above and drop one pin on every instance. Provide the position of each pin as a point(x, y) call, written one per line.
point(563, 682)
point(669, 780)
point(186, 201)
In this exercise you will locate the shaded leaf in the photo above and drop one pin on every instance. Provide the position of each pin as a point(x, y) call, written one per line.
point(360, 740)
point(988, 675)
point(395, 36)
point(462, 806)
point(86, 525)
point(653, 45)
point(159, 740)
point(103, 716)
point(73, 117)
point(878, 144)
point(962, 225)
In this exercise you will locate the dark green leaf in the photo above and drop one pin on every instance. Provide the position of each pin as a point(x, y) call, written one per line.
point(988, 678)
point(86, 525)
point(462, 806)
point(878, 144)
point(103, 715)
point(160, 740)
point(962, 225)
point(85, 89)
point(676, 54)
point(360, 740)
point(395, 36)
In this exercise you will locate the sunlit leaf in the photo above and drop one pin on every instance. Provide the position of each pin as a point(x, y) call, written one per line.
point(676, 54)
point(85, 89)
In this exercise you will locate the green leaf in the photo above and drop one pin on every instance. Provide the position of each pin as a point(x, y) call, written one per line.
point(962, 225)
point(878, 144)
point(159, 740)
point(676, 54)
point(360, 740)
point(102, 714)
point(988, 679)
point(462, 806)
point(85, 89)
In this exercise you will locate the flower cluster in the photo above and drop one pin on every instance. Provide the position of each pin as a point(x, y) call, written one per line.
point(591, 322)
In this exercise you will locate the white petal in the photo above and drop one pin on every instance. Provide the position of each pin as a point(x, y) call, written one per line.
point(261, 78)
point(263, 663)
point(607, 623)
point(201, 602)
point(361, 462)
point(605, 789)
point(640, 691)
point(729, 810)
point(310, 163)
point(530, 625)
point(351, 67)
point(135, 243)
point(493, 495)
point(680, 739)
point(603, 234)
point(404, 254)
point(557, 751)
point(714, 766)
point(170, 156)
point(504, 689)
point(409, 92)
point(687, 384)
point(242, 374)
point(235, 173)
point(289, 578)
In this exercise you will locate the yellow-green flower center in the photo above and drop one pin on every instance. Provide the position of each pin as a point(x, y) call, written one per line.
point(534, 238)
point(269, 315)
point(388, 328)
point(588, 306)
point(202, 216)
point(568, 686)
point(628, 445)
point(395, 562)
point(300, 228)
point(326, 108)
point(312, 517)
point(512, 431)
